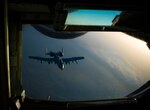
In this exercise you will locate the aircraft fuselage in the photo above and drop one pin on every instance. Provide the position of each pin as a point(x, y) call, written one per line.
point(58, 60)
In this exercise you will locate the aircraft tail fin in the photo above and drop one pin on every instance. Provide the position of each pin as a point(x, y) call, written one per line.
point(46, 51)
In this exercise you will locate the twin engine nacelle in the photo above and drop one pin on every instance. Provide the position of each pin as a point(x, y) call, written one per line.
point(61, 54)
point(52, 54)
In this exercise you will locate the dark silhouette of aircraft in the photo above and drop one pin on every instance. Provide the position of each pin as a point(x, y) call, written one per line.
point(57, 58)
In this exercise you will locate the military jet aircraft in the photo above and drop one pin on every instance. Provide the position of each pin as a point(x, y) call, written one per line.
point(57, 58)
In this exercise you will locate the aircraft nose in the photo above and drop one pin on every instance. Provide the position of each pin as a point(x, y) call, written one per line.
point(63, 66)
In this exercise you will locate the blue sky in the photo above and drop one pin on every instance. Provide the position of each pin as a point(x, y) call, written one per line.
point(112, 68)
point(91, 17)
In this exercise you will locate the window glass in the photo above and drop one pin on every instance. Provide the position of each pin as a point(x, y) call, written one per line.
point(91, 17)
point(85, 66)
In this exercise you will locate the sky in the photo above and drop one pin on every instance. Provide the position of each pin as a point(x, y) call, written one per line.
point(91, 17)
point(115, 65)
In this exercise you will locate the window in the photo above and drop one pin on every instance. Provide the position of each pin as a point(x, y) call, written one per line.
point(91, 17)
point(108, 64)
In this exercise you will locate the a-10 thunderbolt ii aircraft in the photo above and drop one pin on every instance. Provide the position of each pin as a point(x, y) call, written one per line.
point(57, 58)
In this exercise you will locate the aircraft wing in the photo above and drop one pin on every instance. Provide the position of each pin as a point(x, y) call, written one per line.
point(73, 59)
point(49, 60)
